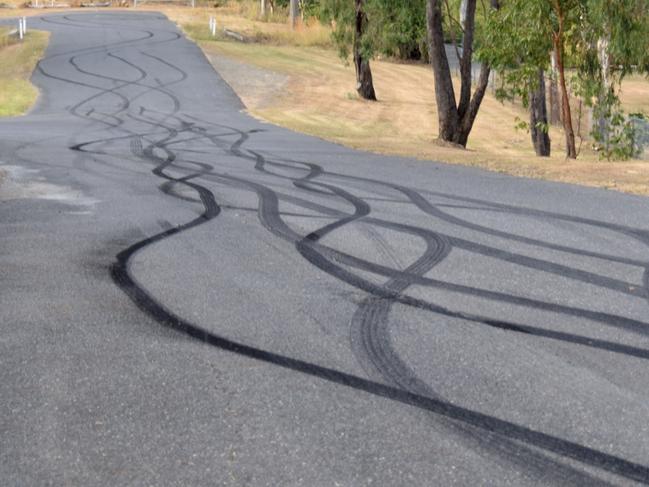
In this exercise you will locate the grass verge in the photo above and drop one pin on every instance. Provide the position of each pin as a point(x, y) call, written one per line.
point(17, 62)
point(319, 99)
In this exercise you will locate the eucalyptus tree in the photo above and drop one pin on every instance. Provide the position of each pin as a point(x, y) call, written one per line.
point(455, 115)
point(612, 42)
point(350, 30)
point(518, 42)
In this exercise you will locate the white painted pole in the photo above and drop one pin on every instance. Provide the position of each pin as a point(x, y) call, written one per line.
point(193, 3)
point(25, 25)
point(20, 29)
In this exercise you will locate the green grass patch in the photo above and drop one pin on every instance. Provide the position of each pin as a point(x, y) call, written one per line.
point(17, 62)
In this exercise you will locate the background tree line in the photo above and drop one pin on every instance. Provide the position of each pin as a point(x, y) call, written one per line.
point(565, 48)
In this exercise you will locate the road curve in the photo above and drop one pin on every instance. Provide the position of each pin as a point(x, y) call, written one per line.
point(189, 296)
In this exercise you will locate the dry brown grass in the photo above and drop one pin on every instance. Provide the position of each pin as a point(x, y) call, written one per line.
point(635, 94)
point(320, 100)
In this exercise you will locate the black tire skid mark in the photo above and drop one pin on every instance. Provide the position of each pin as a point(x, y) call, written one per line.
point(634, 325)
point(404, 372)
point(416, 197)
point(40, 69)
point(126, 103)
point(124, 107)
point(268, 209)
point(372, 319)
point(373, 316)
point(604, 318)
point(266, 219)
point(519, 259)
point(586, 277)
point(268, 213)
point(590, 278)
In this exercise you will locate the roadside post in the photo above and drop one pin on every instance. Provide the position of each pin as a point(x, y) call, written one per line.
point(21, 34)
point(213, 26)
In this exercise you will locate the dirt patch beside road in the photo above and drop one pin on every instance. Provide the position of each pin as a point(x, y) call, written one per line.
point(258, 88)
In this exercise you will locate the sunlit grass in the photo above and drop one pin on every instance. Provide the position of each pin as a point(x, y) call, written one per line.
point(17, 62)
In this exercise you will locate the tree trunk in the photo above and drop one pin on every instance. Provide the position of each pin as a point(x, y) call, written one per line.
point(464, 6)
point(603, 99)
point(263, 8)
point(444, 91)
point(294, 12)
point(539, 118)
point(455, 118)
point(558, 40)
point(364, 83)
point(555, 98)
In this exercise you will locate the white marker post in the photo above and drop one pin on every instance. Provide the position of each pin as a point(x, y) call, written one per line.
point(20, 29)
point(193, 3)
point(24, 25)
point(213, 26)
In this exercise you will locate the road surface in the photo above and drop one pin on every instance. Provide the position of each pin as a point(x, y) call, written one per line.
point(189, 296)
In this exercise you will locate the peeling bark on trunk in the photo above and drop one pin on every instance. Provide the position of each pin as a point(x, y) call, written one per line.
point(555, 97)
point(463, 9)
point(539, 118)
point(364, 83)
point(558, 41)
point(605, 64)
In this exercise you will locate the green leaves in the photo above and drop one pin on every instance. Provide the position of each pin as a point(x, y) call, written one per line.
point(396, 28)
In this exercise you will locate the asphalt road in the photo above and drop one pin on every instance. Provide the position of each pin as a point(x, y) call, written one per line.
point(191, 297)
